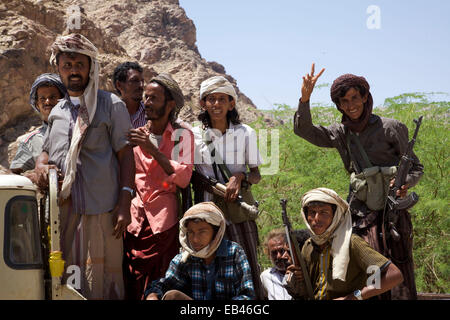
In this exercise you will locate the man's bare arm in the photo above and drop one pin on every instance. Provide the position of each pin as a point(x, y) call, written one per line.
point(121, 213)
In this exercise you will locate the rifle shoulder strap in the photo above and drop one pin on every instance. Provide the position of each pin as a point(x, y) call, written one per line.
point(225, 172)
point(351, 136)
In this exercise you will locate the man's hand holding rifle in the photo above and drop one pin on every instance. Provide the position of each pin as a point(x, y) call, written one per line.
point(397, 199)
point(297, 273)
point(213, 186)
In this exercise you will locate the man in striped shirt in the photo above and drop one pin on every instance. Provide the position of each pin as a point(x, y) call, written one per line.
point(129, 83)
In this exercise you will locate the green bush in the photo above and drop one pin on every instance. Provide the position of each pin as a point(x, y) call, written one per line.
point(303, 166)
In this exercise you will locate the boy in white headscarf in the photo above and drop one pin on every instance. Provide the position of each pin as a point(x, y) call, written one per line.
point(227, 150)
point(209, 266)
point(45, 93)
point(339, 262)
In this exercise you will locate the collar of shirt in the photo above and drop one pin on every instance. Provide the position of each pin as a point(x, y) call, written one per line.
point(214, 134)
point(276, 271)
point(220, 252)
point(167, 134)
point(43, 128)
point(373, 118)
point(222, 249)
point(138, 113)
point(317, 247)
point(67, 103)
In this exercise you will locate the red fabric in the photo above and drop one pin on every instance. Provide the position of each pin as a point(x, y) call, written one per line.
point(155, 199)
point(147, 258)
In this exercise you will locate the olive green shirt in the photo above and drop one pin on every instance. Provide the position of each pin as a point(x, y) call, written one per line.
point(319, 264)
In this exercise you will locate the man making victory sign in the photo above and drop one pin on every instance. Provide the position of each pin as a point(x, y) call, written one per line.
point(366, 143)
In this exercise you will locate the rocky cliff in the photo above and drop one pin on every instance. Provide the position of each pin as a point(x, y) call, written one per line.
point(156, 33)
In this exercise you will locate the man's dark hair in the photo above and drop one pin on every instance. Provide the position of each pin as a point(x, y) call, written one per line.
point(232, 116)
point(343, 90)
point(121, 72)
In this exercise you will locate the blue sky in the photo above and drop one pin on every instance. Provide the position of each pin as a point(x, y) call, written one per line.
point(267, 46)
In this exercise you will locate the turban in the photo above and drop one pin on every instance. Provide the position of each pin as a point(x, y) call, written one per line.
point(165, 80)
point(338, 90)
point(211, 214)
point(217, 84)
point(45, 78)
point(339, 232)
point(88, 101)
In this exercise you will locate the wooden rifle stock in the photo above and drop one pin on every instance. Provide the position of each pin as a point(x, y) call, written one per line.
point(214, 186)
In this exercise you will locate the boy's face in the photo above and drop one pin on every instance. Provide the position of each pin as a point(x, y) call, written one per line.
point(199, 233)
point(353, 104)
point(46, 99)
point(217, 105)
point(320, 217)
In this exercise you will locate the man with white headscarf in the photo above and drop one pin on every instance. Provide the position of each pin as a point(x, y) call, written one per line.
point(209, 266)
point(86, 142)
point(340, 263)
point(227, 150)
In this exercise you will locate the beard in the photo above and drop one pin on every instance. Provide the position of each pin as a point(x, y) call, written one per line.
point(281, 264)
point(76, 86)
point(157, 113)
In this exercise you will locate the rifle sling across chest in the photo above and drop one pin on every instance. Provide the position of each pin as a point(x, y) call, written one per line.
point(371, 183)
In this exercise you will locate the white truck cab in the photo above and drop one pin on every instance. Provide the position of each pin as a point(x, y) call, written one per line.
point(21, 263)
point(25, 274)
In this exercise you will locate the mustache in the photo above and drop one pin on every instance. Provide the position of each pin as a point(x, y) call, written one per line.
point(284, 262)
point(75, 77)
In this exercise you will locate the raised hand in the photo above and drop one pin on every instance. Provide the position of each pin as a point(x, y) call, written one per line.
point(140, 137)
point(309, 81)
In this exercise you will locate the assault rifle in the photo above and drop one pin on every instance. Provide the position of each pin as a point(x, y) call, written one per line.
point(215, 187)
point(393, 203)
point(294, 250)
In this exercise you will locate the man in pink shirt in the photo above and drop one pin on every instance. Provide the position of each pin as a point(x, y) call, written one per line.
point(164, 160)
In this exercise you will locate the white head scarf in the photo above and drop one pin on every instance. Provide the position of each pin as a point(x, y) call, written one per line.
point(88, 101)
point(211, 214)
point(217, 84)
point(339, 232)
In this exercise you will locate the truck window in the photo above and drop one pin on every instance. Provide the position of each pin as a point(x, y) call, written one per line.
point(22, 239)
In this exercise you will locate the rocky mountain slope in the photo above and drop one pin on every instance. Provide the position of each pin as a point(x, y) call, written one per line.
point(156, 33)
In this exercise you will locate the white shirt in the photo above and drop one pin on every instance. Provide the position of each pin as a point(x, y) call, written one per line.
point(273, 281)
point(237, 148)
point(75, 100)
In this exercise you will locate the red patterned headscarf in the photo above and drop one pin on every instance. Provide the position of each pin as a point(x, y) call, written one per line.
point(340, 87)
